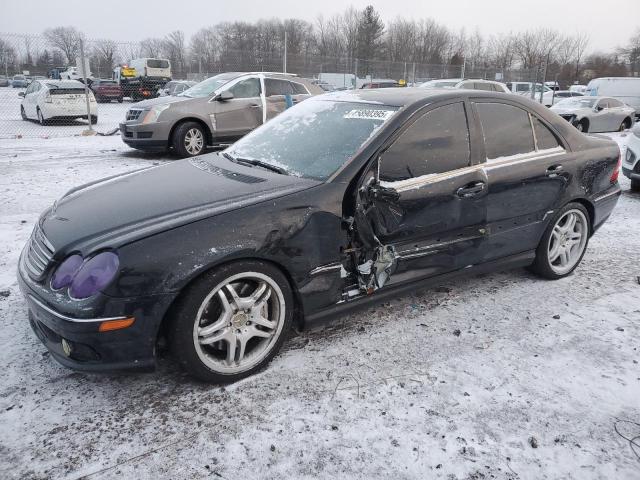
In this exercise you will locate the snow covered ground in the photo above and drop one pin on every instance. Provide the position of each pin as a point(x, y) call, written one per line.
point(499, 376)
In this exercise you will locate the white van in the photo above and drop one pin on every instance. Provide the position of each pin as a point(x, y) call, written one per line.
point(152, 68)
point(625, 89)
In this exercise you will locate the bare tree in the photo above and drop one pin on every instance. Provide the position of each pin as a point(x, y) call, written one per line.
point(151, 47)
point(105, 52)
point(67, 40)
point(173, 47)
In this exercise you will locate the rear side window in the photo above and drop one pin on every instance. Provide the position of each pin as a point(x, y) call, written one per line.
point(507, 130)
point(544, 137)
point(522, 87)
point(299, 89)
point(437, 142)
point(484, 86)
point(277, 87)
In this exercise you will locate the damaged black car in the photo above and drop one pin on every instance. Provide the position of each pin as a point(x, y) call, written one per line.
point(344, 199)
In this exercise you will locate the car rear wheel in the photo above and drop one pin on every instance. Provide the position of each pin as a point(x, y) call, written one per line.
point(635, 185)
point(189, 139)
point(23, 114)
point(564, 242)
point(232, 322)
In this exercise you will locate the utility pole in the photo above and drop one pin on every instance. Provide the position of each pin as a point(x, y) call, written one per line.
point(86, 85)
point(355, 80)
point(284, 59)
point(464, 65)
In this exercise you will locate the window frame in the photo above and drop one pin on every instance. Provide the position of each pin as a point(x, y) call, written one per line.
point(286, 81)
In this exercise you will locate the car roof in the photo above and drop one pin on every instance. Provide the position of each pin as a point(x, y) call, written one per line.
point(407, 96)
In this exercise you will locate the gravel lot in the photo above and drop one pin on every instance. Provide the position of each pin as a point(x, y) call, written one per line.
point(499, 376)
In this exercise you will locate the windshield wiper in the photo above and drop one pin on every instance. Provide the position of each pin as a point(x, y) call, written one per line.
point(255, 163)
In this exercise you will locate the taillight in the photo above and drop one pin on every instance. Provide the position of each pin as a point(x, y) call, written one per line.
point(616, 171)
point(47, 98)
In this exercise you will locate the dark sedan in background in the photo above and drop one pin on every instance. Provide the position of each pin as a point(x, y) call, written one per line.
point(346, 198)
point(106, 90)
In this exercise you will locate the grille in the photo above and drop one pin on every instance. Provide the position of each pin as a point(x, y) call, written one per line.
point(39, 254)
point(133, 114)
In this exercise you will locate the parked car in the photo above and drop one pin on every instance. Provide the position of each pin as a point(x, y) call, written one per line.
point(624, 89)
point(553, 85)
point(175, 87)
point(381, 84)
point(524, 88)
point(578, 88)
point(214, 112)
point(4, 81)
point(106, 90)
point(46, 100)
point(595, 114)
point(346, 198)
point(19, 81)
point(441, 83)
point(551, 98)
point(631, 164)
point(478, 84)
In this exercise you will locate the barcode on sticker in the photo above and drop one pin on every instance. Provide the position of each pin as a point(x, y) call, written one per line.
point(369, 114)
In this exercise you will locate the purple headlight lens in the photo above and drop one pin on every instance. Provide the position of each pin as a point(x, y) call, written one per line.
point(64, 274)
point(94, 275)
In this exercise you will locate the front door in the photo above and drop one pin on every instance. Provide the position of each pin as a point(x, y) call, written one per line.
point(527, 169)
point(429, 203)
point(601, 117)
point(238, 116)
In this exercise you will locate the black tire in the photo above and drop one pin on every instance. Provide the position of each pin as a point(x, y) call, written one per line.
point(635, 185)
point(94, 119)
point(583, 126)
point(41, 119)
point(184, 315)
point(23, 113)
point(120, 100)
point(541, 265)
point(180, 138)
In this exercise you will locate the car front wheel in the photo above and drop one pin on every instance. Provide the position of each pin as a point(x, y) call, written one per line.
point(563, 243)
point(230, 323)
point(189, 139)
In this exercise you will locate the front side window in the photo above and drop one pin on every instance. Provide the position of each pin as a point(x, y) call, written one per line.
point(274, 86)
point(314, 138)
point(614, 103)
point(248, 88)
point(506, 129)
point(435, 143)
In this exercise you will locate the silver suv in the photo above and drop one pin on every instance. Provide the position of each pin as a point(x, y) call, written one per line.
point(215, 112)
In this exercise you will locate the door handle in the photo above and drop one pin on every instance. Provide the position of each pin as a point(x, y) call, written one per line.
point(470, 190)
point(253, 105)
point(554, 170)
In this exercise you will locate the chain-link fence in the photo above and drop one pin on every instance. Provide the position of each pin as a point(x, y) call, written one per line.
point(119, 73)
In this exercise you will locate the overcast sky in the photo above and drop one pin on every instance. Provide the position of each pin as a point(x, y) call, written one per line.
point(610, 23)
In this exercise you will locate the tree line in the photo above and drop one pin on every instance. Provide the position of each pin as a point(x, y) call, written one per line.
point(350, 41)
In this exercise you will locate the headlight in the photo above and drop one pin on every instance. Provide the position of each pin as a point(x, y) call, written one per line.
point(153, 114)
point(63, 276)
point(86, 278)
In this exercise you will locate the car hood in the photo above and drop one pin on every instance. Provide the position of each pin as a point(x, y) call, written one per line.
point(159, 101)
point(118, 210)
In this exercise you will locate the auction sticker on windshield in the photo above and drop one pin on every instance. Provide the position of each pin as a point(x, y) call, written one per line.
point(370, 114)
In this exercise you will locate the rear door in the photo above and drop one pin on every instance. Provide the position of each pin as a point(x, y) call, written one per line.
point(527, 169)
point(435, 216)
point(238, 116)
point(276, 91)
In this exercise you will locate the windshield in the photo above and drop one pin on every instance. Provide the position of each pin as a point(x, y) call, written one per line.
point(315, 138)
point(577, 102)
point(439, 84)
point(206, 87)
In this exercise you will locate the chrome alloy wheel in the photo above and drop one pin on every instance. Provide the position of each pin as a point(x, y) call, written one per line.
point(194, 141)
point(567, 241)
point(239, 322)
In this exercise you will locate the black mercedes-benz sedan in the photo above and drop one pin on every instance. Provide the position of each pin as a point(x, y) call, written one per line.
point(345, 198)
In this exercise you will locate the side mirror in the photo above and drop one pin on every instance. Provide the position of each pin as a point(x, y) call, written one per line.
point(21, 94)
point(598, 108)
point(379, 192)
point(224, 96)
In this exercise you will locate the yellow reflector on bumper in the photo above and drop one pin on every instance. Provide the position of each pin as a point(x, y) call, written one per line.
point(110, 325)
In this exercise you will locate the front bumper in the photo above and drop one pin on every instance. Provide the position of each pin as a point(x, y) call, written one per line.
point(151, 137)
point(90, 349)
point(631, 161)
